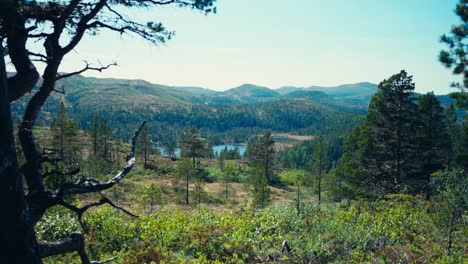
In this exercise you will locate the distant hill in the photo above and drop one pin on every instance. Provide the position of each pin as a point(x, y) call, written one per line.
point(327, 100)
point(230, 115)
point(357, 94)
point(244, 94)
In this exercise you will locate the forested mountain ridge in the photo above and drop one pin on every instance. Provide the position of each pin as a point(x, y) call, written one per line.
point(124, 103)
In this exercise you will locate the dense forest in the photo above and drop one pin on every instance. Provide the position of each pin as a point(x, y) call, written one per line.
point(125, 171)
point(170, 110)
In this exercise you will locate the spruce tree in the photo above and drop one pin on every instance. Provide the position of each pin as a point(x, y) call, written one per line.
point(319, 163)
point(432, 137)
point(192, 145)
point(390, 145)
point(265, 154)
point(65, 136)
point(145, 145)
point(104, 142)
point(455, 55)
point(261, 161)
point(452, 135)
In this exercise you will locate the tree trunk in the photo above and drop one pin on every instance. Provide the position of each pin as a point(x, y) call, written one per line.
point(17, 234)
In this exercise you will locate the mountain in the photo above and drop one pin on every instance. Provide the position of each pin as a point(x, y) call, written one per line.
point(169, 110)
point(193, 90)
point(244, 94)
point(357, 94)
point(326, 100)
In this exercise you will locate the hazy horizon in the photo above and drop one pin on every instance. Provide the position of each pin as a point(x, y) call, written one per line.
point(272, 44)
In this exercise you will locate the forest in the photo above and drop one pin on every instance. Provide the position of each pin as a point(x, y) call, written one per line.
point(356, 173)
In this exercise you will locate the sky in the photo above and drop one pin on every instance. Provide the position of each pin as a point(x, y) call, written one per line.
point(278, 43)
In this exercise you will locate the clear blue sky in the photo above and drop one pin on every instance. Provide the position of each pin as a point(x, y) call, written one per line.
point(277, 42)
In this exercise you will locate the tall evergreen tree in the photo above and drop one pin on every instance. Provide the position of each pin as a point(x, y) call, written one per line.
point(455, 56)
point(462, 155)
point(380, 156)
point(432, 136)
point(265, 154)
point(192, 145)
point(390, 146)
point(146, 145)
point(65, 136)
point(105, 135)
point(319, 162)
point(261, 161)
point(184, 174)
point(452, 135)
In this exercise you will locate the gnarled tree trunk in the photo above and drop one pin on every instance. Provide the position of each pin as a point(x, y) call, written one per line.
point(17, 234)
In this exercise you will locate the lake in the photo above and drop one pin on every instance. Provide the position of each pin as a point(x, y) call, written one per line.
point(216, 149)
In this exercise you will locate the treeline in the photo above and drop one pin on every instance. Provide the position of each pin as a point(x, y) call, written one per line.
point(219, 123)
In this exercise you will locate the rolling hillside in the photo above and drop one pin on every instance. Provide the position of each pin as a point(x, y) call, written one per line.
point(231, 115)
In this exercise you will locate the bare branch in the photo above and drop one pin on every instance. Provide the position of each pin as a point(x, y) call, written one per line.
point(75, 243)
point(42, 56)
point(60, 91)
point(88, 185)
point(88, 67)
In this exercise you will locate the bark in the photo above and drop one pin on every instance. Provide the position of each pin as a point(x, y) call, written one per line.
point(17, 235)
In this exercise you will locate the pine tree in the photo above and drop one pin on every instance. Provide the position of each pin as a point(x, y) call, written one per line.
point(319, 162)
point(352, 178)
point(58, 130)
point(146, 145)
point(455, 56)
point(104, 142)
point(432, 137)
point(192, 145)
point(381, 155)
point(452, 135)
point(462, 155)
point(261, 161)
point(65, 136)
point(265, 154)
point(184, 174)
point(390, 141)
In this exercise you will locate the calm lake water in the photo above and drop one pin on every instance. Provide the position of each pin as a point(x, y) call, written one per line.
point(216, 149)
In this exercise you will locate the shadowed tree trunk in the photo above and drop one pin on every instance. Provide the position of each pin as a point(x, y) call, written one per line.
point(17, 236)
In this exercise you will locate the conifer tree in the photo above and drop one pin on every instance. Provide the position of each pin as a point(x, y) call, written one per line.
point(192, 145)
point(146, 145)
point(105, 135)
point(65, 136)
point(380, 156)
point(452, 135)
point(432, 136)
point(455, 55)
point(390, 140)
point(265, 154)
point(319, 163)
point(261, 160)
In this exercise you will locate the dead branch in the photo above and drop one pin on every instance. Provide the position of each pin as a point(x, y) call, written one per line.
point(89, 185)
point(88, 67)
